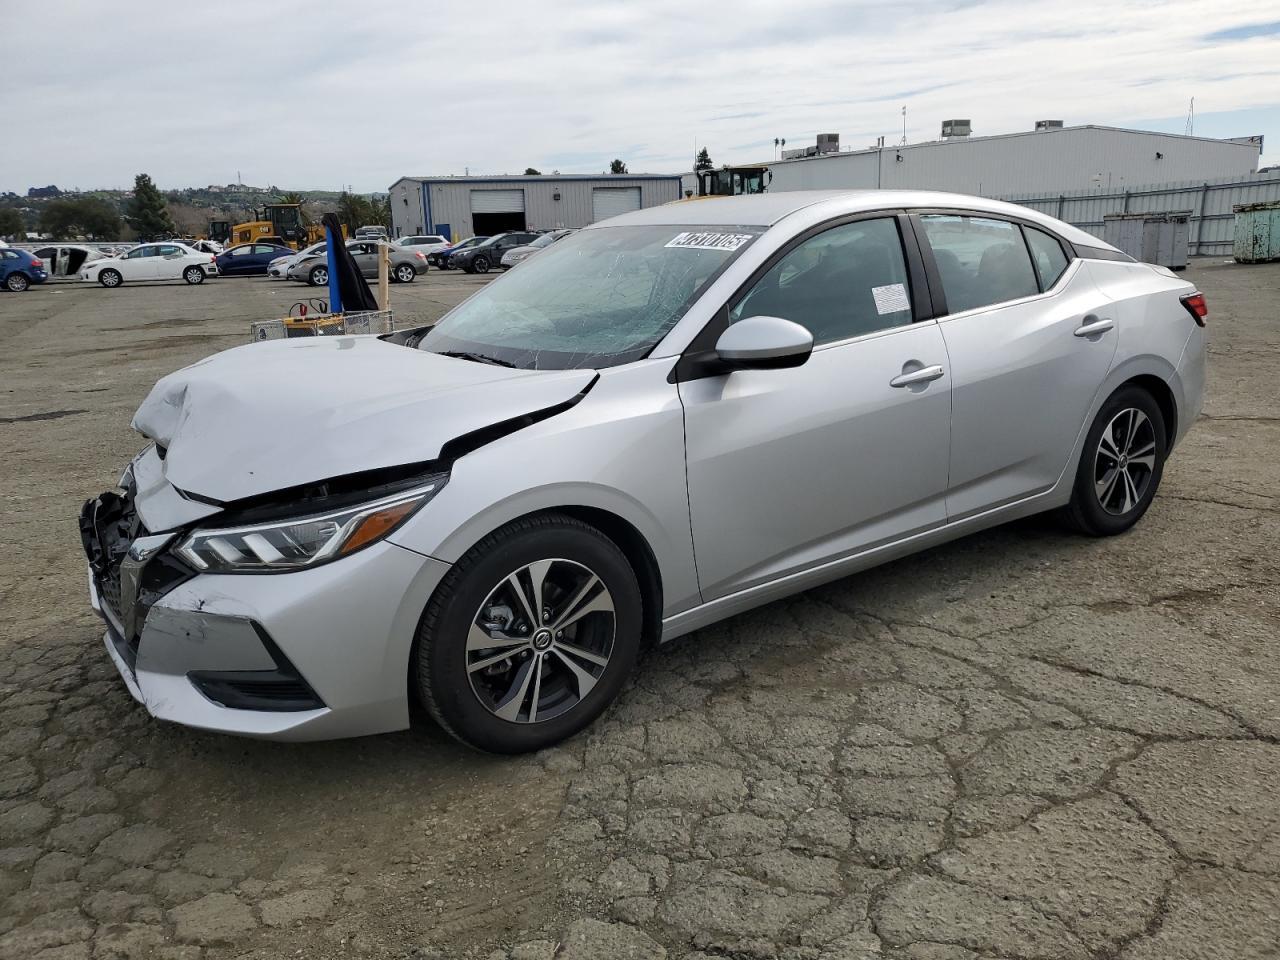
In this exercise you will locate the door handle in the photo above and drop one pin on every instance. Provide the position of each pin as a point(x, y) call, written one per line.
point(1093, 326)
point(923, 375)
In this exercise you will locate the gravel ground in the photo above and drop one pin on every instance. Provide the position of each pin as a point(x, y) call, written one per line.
point(1021, 745)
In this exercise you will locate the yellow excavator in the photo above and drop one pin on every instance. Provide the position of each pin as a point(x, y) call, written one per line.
point(279, 223)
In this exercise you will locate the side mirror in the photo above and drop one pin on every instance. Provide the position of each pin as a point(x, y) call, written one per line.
point(764, 343)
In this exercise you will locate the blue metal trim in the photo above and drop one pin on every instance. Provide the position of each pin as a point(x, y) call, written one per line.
point(331, 257)
point(427, 226)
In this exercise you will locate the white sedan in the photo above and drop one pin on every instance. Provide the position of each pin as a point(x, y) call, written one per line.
point(152, 261)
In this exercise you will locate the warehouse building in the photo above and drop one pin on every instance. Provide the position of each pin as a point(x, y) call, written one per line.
point(457, 207)
point(1050, 159)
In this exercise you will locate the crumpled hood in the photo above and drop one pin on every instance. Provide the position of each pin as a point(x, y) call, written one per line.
point(273, 415)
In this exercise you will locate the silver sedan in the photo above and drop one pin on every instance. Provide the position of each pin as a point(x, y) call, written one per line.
point(406, 263)
point(663, 420)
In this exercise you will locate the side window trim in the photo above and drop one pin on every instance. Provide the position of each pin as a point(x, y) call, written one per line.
point(699, 356)
point(1035, 264)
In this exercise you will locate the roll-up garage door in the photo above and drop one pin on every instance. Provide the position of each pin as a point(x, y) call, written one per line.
point(497, 201)
point(609, 202)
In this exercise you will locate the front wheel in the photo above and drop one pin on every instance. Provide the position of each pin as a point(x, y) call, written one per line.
point(193, 275)
point(318, 277)
point(481, 265)
point(17, 282)
point(110, 278)
point(1120, 466)
point(530, 636)
point(405, 273)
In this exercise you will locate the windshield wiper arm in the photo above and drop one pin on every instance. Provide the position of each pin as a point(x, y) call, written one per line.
point(476, 357)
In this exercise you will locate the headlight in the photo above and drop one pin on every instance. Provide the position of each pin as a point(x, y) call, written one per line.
point(283, 545)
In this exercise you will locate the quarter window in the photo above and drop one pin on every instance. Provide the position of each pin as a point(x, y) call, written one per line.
point(1047, 255)
point(845, 282)
point(981, 261)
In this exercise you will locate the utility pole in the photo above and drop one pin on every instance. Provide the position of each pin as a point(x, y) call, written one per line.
point(1191, 118)
point(904, 124)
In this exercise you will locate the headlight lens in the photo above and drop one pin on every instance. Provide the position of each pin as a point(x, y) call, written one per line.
point(283, 545)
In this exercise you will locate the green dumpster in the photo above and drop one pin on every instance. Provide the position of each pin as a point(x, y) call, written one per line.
point(1257, 232)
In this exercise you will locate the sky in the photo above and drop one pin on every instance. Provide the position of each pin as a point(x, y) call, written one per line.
point(313, 95)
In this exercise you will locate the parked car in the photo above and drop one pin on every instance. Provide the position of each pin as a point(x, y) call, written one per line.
point(248, 259)
point(440, 258)
point(426, 243)
point(661, 421)
point(371, 233)
point(66, 259)
point(520, 254)
point(150, 262)
point(207, 246)
point(405, 265)
point(488, 253)
point(20, 269)
point(278, 269)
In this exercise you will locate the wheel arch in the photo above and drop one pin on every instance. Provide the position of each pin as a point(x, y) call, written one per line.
point(1162, 393)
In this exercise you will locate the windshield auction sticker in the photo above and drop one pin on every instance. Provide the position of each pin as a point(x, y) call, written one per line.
point(709, 241)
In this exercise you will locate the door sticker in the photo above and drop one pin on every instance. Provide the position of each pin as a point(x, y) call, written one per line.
point(891, 298)
point(709, 241)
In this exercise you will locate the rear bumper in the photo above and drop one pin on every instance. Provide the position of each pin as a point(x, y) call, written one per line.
point(1192, 371)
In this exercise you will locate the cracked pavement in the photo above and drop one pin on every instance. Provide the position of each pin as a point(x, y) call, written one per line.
point(1021, 745)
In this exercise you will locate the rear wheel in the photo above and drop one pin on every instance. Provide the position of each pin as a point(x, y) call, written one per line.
point(405, 273)
point(318, 277)
point(530, 636)
point(193, 275)
point(110, 278)
point(1120, 466)
point(17, 282)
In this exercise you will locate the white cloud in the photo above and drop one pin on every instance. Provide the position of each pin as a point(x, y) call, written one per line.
point(308, 94)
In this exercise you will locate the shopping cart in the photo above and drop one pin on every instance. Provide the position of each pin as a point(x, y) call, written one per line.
point(313, 319)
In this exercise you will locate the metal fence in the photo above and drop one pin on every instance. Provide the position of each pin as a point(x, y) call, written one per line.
point(1212, 226)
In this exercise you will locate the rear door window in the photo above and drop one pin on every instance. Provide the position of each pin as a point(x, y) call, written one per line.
point(982, 261)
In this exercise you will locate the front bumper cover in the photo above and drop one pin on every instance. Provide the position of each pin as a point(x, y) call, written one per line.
point(306, 655)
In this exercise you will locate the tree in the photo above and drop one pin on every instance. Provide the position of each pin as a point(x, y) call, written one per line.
point(703, 162)
point(354, 211)
point(12, 225)
point(530, 172)
point(147, 212)
point(617, 166)
point(88, 216)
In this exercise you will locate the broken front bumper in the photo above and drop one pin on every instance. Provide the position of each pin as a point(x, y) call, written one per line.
point(310, 654)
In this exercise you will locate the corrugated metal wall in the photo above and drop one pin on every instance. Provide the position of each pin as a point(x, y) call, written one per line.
point(449, 201)
point(1212, 225)
point(1074, 158)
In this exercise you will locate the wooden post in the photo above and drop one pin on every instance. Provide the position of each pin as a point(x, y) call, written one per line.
point(384, 270)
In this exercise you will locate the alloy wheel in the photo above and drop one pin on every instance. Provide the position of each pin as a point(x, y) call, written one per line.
point(405, 274)
point(17, 282)
point(1125, 461)
point(540, 641)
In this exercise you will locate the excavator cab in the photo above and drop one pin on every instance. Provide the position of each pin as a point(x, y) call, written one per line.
point(732, 181)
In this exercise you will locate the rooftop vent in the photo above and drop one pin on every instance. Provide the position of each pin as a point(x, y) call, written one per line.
point(956, 128)
point(1048, 125)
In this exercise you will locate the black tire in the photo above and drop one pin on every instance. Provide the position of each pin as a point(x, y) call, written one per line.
point(405, 273)
point(1102, 503)
point(439, 663)
point(480, 265)
point(110, 278)
point(318, 277)
point(193, 275)
point(17, 282)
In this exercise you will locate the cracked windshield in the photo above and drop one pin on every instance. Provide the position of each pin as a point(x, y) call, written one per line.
point(596, 299)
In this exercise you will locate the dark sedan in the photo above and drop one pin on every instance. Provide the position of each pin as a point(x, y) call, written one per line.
point(440, 256)
point(250, 258)
point(481, 257)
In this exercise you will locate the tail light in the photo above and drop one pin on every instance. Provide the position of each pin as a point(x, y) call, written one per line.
point(1196, 306)
point(37, 262)
point(419, 254)
point(213, 259)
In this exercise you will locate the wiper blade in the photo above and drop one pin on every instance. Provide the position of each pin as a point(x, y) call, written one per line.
point(476, 357)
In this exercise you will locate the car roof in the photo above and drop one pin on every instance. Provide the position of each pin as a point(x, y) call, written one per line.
point(767, 209)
